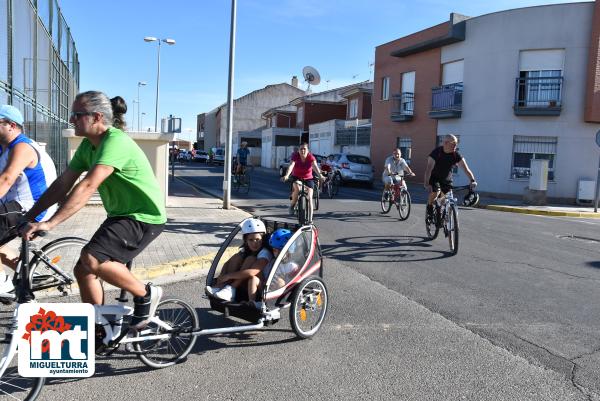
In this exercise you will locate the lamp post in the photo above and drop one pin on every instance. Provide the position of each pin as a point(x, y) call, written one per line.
point(169, 42)
point(133, 113)
point(140, 83)
point(142, 122)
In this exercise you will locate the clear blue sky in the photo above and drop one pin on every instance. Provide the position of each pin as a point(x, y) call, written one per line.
point(275, 39)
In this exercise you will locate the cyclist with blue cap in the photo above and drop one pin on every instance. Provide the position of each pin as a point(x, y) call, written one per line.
point(26, 171)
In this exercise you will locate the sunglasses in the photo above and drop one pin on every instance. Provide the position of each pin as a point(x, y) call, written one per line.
point(75, 115)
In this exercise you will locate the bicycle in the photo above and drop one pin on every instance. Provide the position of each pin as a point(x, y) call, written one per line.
point(397, 195)
point(445, 216)
point(331, 185)
point(242, 181)
point(163, 342)
point(301, 209)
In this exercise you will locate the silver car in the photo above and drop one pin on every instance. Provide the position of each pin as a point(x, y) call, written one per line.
point(353, 167)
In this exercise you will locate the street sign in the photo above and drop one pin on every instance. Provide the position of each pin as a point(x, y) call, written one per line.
point(598, 138)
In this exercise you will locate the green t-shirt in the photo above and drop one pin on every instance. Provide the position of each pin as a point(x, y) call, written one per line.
point(131, 190)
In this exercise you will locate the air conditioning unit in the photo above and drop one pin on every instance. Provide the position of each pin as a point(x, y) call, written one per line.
point(585, 191)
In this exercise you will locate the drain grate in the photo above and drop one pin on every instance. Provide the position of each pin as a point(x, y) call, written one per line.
point(572, 237)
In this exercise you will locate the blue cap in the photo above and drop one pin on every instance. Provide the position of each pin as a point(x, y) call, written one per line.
point(11, 113)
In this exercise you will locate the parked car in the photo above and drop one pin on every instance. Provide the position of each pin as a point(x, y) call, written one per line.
point(218, 156)
point(353, 167)
point(184, 155)
point(285, 163)
point(201, 156)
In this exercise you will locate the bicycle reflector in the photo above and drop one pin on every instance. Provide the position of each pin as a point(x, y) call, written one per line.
point(471, 199)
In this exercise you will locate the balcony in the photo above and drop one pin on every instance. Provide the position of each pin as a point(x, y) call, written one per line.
point(404, 106)
point(446, 101)
point(538, 96)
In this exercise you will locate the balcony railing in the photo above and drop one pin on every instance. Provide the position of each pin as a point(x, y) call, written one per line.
point(404, 106)
point(446, 101)
point(538, 96)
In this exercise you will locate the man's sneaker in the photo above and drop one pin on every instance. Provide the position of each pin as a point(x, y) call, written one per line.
point(212, 290)
point(6, 286)
point(226, 293)
point(145, 307)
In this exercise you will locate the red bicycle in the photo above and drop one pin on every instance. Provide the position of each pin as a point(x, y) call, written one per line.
point(397, 195)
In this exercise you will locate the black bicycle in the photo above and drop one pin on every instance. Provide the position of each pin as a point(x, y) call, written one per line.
point(331, 185)
point(445, 215)
point(242, 180)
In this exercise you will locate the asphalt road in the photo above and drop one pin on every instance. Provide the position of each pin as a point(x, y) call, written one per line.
point(528, 284)
point(513, 316)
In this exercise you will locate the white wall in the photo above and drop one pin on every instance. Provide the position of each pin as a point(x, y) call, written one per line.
point(491, 65)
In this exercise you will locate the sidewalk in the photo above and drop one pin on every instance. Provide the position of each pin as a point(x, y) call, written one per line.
point(196, 227)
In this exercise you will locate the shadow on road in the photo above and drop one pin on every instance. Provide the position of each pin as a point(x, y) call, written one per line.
point(219, 230)
point(403, 248)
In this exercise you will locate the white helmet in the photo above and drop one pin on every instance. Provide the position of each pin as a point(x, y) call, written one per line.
point(250, 226)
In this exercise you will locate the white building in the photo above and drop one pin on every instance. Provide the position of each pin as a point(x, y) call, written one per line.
point(524, 74)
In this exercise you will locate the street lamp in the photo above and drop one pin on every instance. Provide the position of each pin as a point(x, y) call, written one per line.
point(169, 42)
point(140, 83)
point(133, 102)
point(142, 121)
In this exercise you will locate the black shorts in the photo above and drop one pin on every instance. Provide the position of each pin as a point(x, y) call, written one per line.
point(309, 183)
point(438, 183)
point(121, 239)
point(10, 215)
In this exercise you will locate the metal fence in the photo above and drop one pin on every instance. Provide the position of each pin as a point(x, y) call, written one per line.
point(447, 97)
point(39, 70)
point(360, 136)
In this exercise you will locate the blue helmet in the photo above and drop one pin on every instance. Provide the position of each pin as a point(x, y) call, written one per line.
point(279, 238)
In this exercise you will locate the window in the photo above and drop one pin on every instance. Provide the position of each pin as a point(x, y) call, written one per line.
point(385, 88)
point(405, 145)
point(526, 148)
point(353, 112)
point(300, 115)
point(539, 88)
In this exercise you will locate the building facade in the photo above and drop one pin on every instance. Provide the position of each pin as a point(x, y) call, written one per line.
point(39, 70)
point(514, 86)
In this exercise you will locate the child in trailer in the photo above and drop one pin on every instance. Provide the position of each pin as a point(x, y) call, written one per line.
point(285, 271)
point(244, 265)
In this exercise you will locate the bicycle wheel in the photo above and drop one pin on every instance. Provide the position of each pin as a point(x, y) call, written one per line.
point(452, 227)
point(309, 305)
point(162, 353)
point(17, 387)
point(302, 210)
point(316, 198)
point(386, 201)
point(13, 386)
point(62, 254)
point(431, 226)
point(404, 204)
point(244, 183)
point(337, 183)
point(328, 189)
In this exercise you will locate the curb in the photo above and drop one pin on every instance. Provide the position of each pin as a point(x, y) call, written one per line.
point(523, 210)
point(179, 266)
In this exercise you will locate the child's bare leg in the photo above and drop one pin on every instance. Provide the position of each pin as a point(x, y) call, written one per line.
point(253, 284)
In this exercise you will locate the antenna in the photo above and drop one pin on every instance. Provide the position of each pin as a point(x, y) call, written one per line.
point(371, 64)
point(311, 75)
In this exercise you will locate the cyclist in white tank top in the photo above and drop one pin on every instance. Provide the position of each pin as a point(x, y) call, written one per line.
point(26, 171)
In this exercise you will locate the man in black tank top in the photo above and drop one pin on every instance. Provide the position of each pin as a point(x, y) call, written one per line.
point(438, 174)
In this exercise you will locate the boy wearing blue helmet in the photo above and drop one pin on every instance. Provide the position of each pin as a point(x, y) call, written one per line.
point(278, 239)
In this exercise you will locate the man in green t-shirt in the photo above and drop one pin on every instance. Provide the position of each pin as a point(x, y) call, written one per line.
point(118, 169)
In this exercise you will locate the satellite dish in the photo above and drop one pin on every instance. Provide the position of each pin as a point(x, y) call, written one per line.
point(311, 75)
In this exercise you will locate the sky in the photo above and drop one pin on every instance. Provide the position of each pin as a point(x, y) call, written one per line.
point(275, 39)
